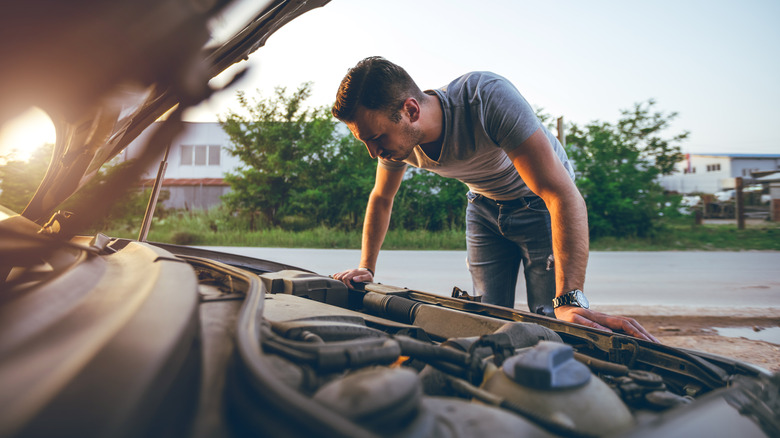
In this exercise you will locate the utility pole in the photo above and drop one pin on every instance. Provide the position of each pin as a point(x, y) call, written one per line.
point(740, 203)
point(561, 132)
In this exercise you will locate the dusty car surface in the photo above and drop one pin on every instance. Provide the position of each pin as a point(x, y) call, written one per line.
point(115, 337)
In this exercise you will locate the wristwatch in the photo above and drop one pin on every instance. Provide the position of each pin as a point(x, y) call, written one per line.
point(571, 298)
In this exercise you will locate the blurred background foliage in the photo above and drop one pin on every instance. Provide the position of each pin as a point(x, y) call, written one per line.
point(304, 171)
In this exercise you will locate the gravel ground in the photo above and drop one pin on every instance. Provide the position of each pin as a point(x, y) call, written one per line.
point(705, 329)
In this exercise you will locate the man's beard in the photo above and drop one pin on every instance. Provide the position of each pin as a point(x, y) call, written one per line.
point(411, 138)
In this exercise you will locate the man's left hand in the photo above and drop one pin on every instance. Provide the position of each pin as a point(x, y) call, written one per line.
point(590, 318)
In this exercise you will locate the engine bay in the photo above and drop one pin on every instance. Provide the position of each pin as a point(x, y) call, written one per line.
point(395, 362)
point(121, 338)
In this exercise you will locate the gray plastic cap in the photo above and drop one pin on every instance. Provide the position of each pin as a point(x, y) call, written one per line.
point(548, 365)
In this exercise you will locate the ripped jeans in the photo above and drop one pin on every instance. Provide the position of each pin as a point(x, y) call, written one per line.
point(502, 235)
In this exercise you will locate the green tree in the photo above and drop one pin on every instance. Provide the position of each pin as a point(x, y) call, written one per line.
point(429, 201)
point(617, 167)
point(127, 210)
point(279, 141)
point(20, 179)
point(336, 190)
point(300, 167)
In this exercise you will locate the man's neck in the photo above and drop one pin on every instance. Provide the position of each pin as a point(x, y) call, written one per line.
point(432, 126)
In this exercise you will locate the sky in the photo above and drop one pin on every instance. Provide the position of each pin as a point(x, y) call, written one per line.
point(715, 63)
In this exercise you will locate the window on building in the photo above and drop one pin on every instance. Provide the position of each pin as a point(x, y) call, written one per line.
point(214, 155)
point(713, 167)
point(200, 155)
point(186, 155)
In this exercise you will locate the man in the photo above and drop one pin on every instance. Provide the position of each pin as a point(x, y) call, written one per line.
point(523, 205)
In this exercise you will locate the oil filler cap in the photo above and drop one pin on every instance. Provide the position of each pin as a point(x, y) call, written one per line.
point(547, 366)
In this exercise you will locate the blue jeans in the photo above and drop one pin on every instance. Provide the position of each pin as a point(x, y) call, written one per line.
point(502, 235)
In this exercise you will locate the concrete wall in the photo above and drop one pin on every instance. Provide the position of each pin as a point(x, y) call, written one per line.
point(194, 197)
point(199, 152)
point(708, 174)
point(713, 173)
point(744, 166)
point(200, 136)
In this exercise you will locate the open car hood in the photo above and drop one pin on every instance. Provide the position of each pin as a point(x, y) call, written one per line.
point(105, 71)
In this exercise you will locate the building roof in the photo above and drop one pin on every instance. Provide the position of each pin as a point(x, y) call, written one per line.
point(772, 177)
point(770, 156)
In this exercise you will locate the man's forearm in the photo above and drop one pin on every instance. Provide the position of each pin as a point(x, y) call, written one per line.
point(569, 220)
point(375, 226)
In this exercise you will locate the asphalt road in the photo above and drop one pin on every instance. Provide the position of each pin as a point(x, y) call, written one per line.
point(687, 279)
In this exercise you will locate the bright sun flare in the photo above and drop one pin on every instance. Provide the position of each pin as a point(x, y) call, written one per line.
point(21, 136)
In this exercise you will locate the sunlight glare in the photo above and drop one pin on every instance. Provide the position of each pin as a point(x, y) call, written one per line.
point(21, 136)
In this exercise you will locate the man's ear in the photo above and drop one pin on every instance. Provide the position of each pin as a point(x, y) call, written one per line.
point(412, 109)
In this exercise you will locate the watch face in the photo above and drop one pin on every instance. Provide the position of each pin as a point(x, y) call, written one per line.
point(581, 300)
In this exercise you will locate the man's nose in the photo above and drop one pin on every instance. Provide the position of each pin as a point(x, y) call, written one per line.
point(373, 150)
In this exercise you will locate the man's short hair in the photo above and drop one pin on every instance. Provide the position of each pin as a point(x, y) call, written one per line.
point(374, 83)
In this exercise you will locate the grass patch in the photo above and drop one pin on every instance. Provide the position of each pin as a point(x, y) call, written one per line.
point(682, 235)
point(314, 238)
point(214, 228)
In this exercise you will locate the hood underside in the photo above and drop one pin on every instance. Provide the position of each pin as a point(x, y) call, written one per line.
point(105, 71)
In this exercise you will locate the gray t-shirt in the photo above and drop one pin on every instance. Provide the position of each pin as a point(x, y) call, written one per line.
point(484, 117)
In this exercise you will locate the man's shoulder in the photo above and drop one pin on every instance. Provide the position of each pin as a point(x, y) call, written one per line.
point(475, 77)
point(476, 81)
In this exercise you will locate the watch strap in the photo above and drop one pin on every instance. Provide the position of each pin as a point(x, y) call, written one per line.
point(569, 299)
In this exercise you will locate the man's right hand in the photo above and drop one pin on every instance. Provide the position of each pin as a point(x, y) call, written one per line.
point(352, 276)
point(602, 321)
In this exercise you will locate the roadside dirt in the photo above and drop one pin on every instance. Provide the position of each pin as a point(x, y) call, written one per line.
point(697, 329)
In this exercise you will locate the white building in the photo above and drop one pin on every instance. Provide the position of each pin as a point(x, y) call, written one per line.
point(710, 173)
point(197, 163)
